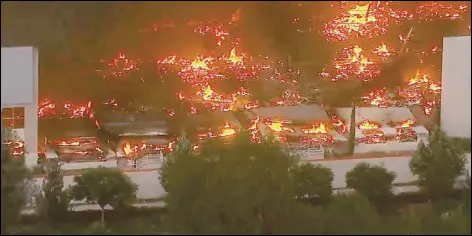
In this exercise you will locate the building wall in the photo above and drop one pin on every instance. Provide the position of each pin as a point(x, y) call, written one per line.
point(456, 82)
point(149, 186)
point(19, 83)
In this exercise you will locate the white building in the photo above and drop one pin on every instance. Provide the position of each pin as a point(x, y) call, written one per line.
point(20, 97)
point(455, 95)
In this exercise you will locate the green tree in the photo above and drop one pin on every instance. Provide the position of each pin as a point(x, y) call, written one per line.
point(351, 214)
point(14, 180)
point(233, 188)
point(182, 148)
point(314, 183)
point(104, 186)
point(438, 164)
point(373, 182)
point(54, 200)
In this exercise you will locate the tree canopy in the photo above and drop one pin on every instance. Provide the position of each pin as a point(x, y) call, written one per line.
point(438, 164)
point(104, 186)
point(242, 188)
point(14, 176)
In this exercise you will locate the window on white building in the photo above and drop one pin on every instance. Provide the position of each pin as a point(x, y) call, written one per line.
point(13, 118)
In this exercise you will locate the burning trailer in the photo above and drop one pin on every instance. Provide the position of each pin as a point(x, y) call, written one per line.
point(391, 129)
point(136, 139)
point(71, 140)
point(305, 129)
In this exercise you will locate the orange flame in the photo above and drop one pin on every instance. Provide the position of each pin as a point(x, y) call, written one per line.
point(127, 149)
point(199, 63)
point(130, 149)
point(278, 126)
point(358, 17)
point(418, 79)
point(339, 125)
point(253, 123)
point(366, 125)
point(227, 130)
point(321, 129)
point(408, 123)
point(435, 88)
point(382, 48)
point(207, 93)
point(169, 60)
point(235, 59)
point(383, 51)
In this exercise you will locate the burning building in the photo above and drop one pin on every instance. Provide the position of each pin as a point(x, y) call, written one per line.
point(135, 137)
point(73, 140)
point(392, 129)
point(302, 128)
point(20, 100)
point(206, 126)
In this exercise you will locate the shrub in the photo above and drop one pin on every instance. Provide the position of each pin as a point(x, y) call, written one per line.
point(374, 182)
point(351, 214)
point(314, 183)
point(54, 200)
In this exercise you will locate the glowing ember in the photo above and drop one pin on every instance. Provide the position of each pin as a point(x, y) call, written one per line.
point(180, 96)
point(47, 109)
point(420, 89)
point(435, 88)
point(17, 147)
point(372, 136)
point(321, 129)
point(216, 30)
point(352, 62)
point(120, 66)
point(405, 134)
point(339, 125)
point(253, 123)
point(368, 125)
point(288, 98)
point(362, 21)
point(429, 105)
point(76, 142)
point(377, 98)
point(138, 149)
point(324, 140)
point(442, 10)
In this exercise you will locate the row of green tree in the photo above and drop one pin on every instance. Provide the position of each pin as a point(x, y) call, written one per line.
point(245, 188)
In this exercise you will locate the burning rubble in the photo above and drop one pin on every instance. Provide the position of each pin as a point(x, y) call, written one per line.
point(371, 131)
